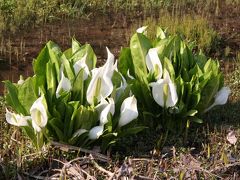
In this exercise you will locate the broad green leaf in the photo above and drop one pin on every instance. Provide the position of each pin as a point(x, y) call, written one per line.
point(67, 120)
point(39, 65)
point(26, 94)
point(75, 105)
point(195, 71)
point(12, 98)
point(160, 33)
point(139, 46)
point(192, 112)
point(168, 65)
point(78, 87)
point(68, 68)
point(126, 62)
point(116, 79)
point(55, 54)
point(196, 120)
point(131, 131)
point(51, 79)
point(208, 92)
point(75, 45)
point(212, 66)
point(201, 59)
point(86, 118)
point(91, 58)
point(59, 132)
point(68, 53)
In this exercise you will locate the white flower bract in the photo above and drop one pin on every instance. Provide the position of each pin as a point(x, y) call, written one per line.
point(38, 114)
point(101, 84)
point(81, 64)
point(64, 85)
point(95, 132)
point(153, 62)
point(16, 119)
point(164, 91)
point(129, 111)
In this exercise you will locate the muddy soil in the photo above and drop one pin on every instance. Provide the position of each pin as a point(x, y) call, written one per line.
point(20, 49)
point(17, 51)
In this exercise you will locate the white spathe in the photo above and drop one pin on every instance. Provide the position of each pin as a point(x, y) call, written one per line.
point(79, 132)
point(164, 91)
point(101, 83)
point(221, 97)
point(81, 64)
point(64, 85)
point(141, 29)
point(21, 80)
point(104, 108)
point(95, 132)
point(39, 114)
point(16, 119)
point(153, 62)
point(129, 111)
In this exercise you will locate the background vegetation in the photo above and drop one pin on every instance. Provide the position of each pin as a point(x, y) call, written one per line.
point(208, 154)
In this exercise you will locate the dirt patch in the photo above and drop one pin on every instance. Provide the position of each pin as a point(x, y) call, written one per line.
point(17, 51)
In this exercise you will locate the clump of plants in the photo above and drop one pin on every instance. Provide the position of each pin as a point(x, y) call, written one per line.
point(70, 100)
point(156, 83)
point(173, 85)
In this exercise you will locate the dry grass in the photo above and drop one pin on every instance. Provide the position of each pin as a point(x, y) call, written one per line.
point(211, 153)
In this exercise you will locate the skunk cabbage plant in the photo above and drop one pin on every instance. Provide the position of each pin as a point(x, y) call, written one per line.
point(173, 85)
point(69, 100)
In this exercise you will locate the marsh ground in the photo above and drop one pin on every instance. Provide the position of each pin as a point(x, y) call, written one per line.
point(209, 153)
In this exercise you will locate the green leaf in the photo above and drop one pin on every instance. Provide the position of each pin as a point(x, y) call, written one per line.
point(86, 118)
point(55, 54)
point(75, 105)
point(39, 65)
point(91, 58)
point(68, 68)
point(125, 62)
point(208, 93)
point(51, 52)
point(26, 94)
point(192, 112)
point(139, 46)
point(116, 79)
point(160, 33)
point(201, 59)
point(75, 45)
point(67, 120)
point(59, 132)
point(68, 53)
point(51, 79)
point(131, 131)
point(78, 87)
point(12, 98)
point(168, 65)
point(196, 120)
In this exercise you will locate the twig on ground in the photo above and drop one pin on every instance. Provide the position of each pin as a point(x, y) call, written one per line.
point(34, 176)
point(96, 155)
point(96, 165)
point(142, 177)
point(226, 166)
